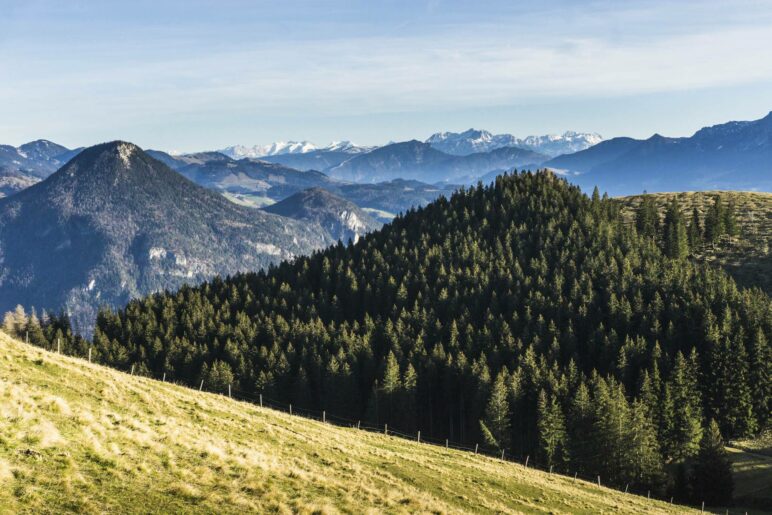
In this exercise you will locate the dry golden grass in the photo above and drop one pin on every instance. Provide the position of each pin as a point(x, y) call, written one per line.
point(748, 257)
point(78, 437)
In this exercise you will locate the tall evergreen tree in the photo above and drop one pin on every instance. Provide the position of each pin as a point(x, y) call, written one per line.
point(495, 425)
point(647, 217)
point(712, 480)
point(676, 240)
point(552, 431)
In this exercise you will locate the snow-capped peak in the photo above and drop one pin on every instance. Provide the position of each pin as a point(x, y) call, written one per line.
point(291, 147)
point(272, 149)
point(474, 140)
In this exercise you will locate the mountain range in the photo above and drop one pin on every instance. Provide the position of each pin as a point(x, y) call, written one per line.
point(115, 223)
point(729, 156)
point(292, 148)
point(20, 167)
point(473, 141)
point(421, 161)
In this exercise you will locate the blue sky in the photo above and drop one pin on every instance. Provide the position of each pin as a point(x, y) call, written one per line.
point(191, 75)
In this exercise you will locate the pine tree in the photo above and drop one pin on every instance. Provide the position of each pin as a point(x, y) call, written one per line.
point(495, 425)
point(552, 431)
point(711, 479)
point(644, 464)
point(683, 421)
point(695, 230)
point(647, 217)
point(218, 377)
point(730, 220)
point(676, 240)
point(715, 221)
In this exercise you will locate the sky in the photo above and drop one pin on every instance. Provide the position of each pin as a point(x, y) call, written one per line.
point(196, 75)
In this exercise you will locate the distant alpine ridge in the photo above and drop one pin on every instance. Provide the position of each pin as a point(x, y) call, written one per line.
point(21, 167)
point(290, 147)
point(729, 156)
point(474, 141)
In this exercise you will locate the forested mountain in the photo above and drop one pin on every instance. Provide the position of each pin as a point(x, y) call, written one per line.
point(421, 161)
point(733, 155)
point(523, 314)
point(342, 219)
point(115, 223)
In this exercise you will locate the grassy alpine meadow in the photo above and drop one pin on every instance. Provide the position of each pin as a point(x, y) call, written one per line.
point(78, 437)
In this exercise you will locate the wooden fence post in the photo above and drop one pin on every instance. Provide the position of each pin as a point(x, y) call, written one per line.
point(627, 485)
point(89, 356)
point(324, 416)
point(358, 424)
point(526, 461)
point(446, 443)
point(290, 409)
point(58, 345)
point(598, 480)
point(229, 389)
point(575, 474)
point(385, 429)
point(163, 380)
point(261, 400)
point(502, 454)
point(201, 386)
point(132, 367)
point(550, 469)
point(475, 447)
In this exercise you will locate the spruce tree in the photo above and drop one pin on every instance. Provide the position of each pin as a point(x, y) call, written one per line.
point(715, 221)
point(676, 240)
point(552, 431)
point(495, 425)
point(695, 231)
point(684, 418)
point(647, 217)
point(711, 478)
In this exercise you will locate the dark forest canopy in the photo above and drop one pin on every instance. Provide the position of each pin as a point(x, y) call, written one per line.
point(523, 314)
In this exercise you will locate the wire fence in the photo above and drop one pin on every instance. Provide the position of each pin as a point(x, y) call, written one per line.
point(265, 402)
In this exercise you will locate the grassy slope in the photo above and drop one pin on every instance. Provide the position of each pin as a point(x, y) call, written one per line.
point(752, 477)
point(81, 437)
point(749, 257)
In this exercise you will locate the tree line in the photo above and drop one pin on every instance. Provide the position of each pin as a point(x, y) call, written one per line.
point(678, 234)
point(522, 314)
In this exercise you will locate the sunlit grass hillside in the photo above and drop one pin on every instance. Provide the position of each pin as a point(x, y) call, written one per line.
point(81, 437)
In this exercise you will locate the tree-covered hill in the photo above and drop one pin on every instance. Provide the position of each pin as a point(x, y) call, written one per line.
point(524, 314)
